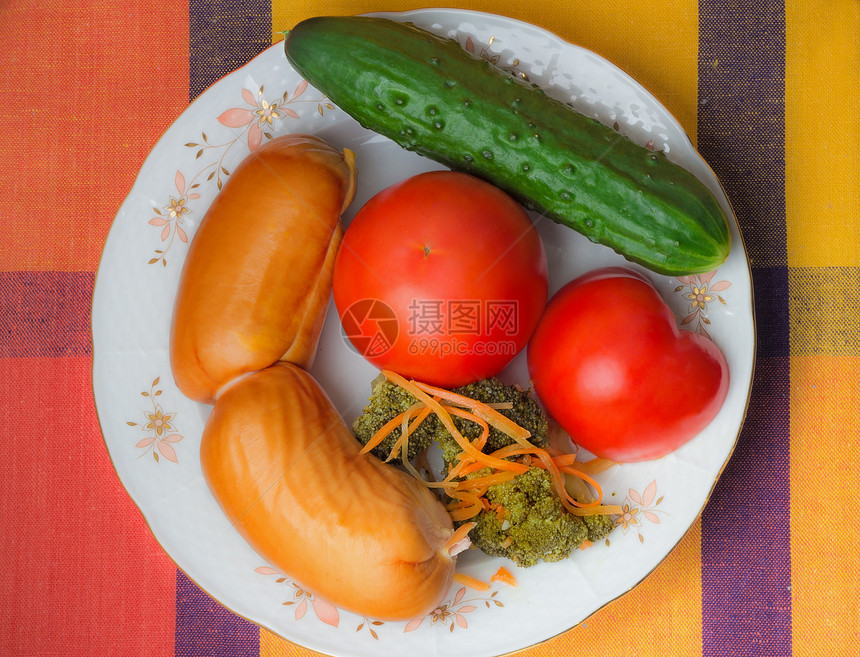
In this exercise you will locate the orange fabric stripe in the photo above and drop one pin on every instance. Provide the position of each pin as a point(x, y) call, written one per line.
point(82, 102)
point(825, 546)
point(822, 195)
point(271, 645)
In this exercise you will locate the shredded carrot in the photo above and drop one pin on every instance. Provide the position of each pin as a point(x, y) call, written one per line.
point(459, 535)
point(504, 575)
point(406, 431)
point(386, 429)
point(448, 423)
point(564, 459)
point(404, 459)
point(575, 472)
point(403, 440)
point(596, 465)
point(451, 481)
point(578, 508)
point(468, 504)
point(585, 545)
point(551, 464)
point(464, 497)
point(401, 445)
point(457, 470)
point(546, 462)
point(482, 410)
point(501, 513)
point(471, 582)
point(470, 467)
point(467, 493)
point(483, 483)
point(481, 440)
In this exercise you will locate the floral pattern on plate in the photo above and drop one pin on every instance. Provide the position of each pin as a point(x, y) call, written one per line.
point(251, 124)
point(450, 614)
point(159, 427)
point(700, 292)
point(639, 507)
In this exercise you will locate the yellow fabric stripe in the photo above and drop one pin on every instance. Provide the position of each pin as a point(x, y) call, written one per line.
point(822, 133)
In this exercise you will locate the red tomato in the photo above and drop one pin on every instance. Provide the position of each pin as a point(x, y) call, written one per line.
point(610, 365)
point(442, 278)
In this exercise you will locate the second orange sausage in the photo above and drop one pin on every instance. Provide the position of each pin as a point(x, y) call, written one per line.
point(289, 474)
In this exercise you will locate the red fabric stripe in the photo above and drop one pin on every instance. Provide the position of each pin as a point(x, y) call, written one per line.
point(80, 573)
point(85, 92)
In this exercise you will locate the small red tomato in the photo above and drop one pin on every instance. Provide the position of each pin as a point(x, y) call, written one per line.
point(441, 277)
point(611, 366)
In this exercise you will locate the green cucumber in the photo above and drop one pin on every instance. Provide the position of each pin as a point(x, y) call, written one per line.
point(430, 96)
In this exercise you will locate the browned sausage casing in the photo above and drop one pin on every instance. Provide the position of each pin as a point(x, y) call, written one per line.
point(289, 474)
point(256, 282)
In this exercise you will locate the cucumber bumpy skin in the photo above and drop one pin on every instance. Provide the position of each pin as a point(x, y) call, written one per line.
point(430, 96)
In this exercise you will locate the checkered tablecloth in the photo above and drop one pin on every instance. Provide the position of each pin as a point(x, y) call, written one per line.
point(768, 90)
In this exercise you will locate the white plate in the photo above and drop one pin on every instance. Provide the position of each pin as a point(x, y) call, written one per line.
point(152, 432)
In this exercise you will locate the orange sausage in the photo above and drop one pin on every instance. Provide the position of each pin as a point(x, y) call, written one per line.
point(256, 282)
point(288, 473)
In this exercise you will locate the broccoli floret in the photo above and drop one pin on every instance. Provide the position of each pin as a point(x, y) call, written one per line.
point(524, 411)
point(527, 523)
point(388, 400)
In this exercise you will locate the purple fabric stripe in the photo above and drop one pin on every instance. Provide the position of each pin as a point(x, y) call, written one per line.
point(224, 35)
point(206, 629)
point(770, 290)
point(45, 313)
point(746, 550)
point(741, 122)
